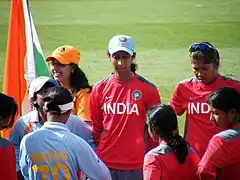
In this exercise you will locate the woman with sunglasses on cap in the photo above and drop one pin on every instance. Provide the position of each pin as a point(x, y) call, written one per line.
point(53, 152)
point(190, 95)
point(118, 111)
point(8, 111)
point(64, 68)
point(173, 158)
point(222, 157)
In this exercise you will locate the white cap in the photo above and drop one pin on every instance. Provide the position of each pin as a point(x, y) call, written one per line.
point(121, 43)
point(37, 84)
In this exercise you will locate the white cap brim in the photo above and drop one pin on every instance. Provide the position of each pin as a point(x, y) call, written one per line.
point(116, 49)
point(38, 83)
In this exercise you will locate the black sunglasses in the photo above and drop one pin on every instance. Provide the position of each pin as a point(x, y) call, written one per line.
point(200, 47)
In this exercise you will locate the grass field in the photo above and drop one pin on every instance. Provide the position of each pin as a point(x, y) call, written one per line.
point(162, 30)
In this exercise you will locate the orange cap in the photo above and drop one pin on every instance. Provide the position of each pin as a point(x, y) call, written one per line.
point(65, 55)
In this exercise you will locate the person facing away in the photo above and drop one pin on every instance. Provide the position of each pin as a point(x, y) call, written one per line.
point(173, 159)
point(36, 118)
point(53, 152)
point(8, 111)
point(64, 68)
point(190, 95)
point(222, 158)
point(118, 111)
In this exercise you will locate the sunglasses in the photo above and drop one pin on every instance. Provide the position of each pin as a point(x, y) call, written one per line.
point(54, 62)
point(200, 47)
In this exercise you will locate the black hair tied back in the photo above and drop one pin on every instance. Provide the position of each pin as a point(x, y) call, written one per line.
point(55, 97)
point(180, 147)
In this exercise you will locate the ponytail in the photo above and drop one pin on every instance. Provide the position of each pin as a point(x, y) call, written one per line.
point(180, 147)
point(133, 67)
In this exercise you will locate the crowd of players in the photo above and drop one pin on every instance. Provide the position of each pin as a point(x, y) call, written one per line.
point(118, 129)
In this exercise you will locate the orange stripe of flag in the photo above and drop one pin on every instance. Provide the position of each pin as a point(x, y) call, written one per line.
point(14, 83)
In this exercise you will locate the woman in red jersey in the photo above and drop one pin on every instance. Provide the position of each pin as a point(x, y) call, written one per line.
point(118, 106)
point(173, 158)
point(190, 95)
point(222, 158)
point(8, 110)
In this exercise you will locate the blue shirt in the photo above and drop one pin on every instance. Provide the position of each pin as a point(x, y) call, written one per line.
point(30, 123)
point(53, 152)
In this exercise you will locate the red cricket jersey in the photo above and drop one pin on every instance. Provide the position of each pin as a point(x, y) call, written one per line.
point(161, 164)
point(222, 158)
point(118, 112)
point(190, 97)
point(8, 162)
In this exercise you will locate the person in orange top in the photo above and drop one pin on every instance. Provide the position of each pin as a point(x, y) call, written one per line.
point(64, 68)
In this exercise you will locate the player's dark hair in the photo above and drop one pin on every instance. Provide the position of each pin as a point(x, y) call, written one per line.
point(134, 67)
point(162, 120)
point(78, 80)
point(56, 96)
point(211, 56)
point(225, 99)
point(8, 111)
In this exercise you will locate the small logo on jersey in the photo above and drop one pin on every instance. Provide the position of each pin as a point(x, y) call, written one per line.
point(136, 94)
point(108, 97)
point(122, 39)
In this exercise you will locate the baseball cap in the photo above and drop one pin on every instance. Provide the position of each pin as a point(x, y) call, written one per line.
point(65, 55)
point(121, 43)
point(37, 84)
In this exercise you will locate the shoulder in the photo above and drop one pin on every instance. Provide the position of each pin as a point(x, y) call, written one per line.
point(27, 117)
point(28, 137)
point(75, 141)
point(225, 78)
point(227, 81)
point(161, 150)
point(82, 93)
point(74, 119)
point(4, 143)
point(85, 91)
point(189, 80)
point(145, 81)
point(103, 81)
point(228, 134)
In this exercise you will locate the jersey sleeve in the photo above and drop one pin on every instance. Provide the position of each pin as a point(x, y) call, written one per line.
point(24, 166)
point(96, 114)
point(153, 98)
point(176, 101)
point(15, 138)
point(214, 158)
point(81, 104)
point(90, 164)
point(151, 168)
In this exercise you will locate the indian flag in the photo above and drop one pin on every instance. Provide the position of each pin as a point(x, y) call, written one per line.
point(24, 57)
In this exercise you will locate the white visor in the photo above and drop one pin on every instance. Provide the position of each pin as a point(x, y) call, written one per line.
point(66, 107)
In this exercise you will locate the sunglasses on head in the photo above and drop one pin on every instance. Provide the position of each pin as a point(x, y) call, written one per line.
point(200, 47)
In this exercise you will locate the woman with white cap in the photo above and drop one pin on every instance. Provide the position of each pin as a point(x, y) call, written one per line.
point(118, 106)
point(53, 152)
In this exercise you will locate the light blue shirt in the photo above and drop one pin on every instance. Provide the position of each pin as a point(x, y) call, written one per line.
point(53, 152)
point(30, 123)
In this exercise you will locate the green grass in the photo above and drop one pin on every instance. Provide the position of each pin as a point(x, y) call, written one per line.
point(162, 30)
